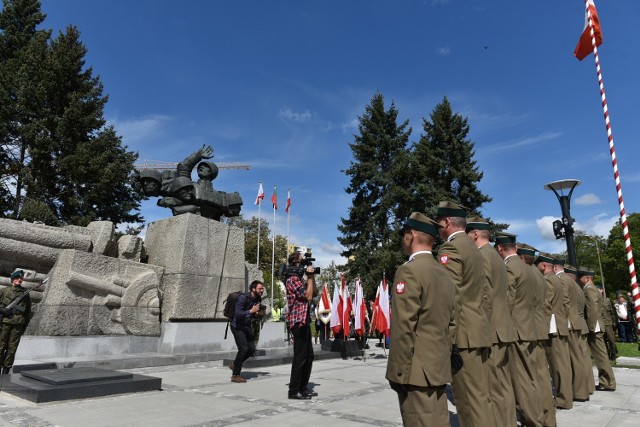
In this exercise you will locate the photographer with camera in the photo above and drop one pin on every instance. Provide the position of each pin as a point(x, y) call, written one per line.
point(301, 288)
point(247, 308)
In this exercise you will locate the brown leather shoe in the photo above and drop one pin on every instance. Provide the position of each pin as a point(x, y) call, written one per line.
point(237, 379)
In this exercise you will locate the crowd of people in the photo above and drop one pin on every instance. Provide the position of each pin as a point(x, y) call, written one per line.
point(513, 330)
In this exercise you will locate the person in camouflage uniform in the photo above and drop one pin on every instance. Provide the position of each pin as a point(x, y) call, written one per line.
point(611, 324)
point(14, 321)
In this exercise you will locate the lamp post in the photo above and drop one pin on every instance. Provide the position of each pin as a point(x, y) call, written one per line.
point(564, 228)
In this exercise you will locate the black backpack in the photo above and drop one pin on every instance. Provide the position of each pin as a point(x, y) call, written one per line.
point(230, 308)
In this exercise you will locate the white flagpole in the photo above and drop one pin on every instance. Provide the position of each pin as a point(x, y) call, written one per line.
point(288, 216)
point(259, 208)
point(273, 245)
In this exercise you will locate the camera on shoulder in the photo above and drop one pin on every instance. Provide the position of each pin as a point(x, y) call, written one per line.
point(288, 270)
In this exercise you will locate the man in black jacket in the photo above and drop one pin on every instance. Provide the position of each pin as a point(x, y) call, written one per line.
point(247, 306)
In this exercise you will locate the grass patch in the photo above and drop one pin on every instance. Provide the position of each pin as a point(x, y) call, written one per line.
point(628, 349)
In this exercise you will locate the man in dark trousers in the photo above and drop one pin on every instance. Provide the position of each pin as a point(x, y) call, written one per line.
point(247, 307)
point(300, 292)
point(14, 320)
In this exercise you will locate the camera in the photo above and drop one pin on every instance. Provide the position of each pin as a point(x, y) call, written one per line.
point(287, 271)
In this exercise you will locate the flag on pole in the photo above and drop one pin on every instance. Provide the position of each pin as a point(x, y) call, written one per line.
point(260, 195)
point(288, 202)
point(347, 307)
point(360, 310)
point(584, 46)
point(382, 317)
point(274, 197)
point(336, 311)
point(324, 309)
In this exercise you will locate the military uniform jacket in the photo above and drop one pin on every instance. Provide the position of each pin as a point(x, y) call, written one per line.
point(557, 304)
point(7, 295)
point(609, 315)
point(523, 285)
point(465, 265)
point(581, 303)
point(571, 307)
point(542, 308)
point(422, 315)
point(592, 307)
point(497, 285)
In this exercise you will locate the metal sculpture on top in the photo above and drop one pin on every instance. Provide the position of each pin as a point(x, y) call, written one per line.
point(182, 195)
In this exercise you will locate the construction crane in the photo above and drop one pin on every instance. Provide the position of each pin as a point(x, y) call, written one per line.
point(156, 164)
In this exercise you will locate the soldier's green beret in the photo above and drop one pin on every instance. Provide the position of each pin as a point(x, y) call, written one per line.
point(16, 274)
point(503, 238)
point(421, 222)
point(450, 209)
point(545, 257)
point(524, 249)
point(477, 223)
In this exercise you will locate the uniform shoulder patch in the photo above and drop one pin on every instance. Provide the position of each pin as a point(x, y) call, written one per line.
point(400, 286)
point(444, 259)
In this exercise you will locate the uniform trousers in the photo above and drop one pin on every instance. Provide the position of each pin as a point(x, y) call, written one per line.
point(424, 406)
point(547, 414)
point(10, 335)
point(579, 379)
point(501, 390)
point(560, 366)
point(470, 386)
point(610, 342)
point(522, 362)
point(606, 378)
point(588, 365)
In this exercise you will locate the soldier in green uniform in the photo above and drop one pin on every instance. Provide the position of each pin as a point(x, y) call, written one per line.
point(14, 321)
point(610, 319)
point(462, 260)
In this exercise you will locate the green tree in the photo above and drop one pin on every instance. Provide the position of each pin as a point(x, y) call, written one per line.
point(589, 253)
point(614, 259)
point(378, 184)
point(64, 155)
point(442, 164)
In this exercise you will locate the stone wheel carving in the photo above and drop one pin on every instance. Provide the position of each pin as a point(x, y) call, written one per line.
point(140, 310)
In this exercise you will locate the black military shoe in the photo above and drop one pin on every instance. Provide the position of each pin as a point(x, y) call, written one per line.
point(308, 392)
point(299, 396)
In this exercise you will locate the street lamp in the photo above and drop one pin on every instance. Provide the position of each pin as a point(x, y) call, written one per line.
point(564, 228)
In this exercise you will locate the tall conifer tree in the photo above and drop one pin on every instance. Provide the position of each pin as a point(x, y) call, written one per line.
point(378, 177)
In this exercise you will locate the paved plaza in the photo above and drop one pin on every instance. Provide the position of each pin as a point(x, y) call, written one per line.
point(352, 392)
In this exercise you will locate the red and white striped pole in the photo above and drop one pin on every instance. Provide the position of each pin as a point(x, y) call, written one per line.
point(623, 215)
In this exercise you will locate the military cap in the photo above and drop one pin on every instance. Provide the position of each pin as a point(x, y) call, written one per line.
point(151, 174)
point(524, 249)
point(477, 223)
point(450, 209)
point(545, 257)
point(181, 182)
point(586, 271)
point(421, 222)
point(559, 261)
point(16, 274)
point(568, 268)
point(503, 238)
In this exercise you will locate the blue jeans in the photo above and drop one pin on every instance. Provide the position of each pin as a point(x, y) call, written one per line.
point(625, 331)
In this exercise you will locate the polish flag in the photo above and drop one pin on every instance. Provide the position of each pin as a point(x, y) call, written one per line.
point(347, 307)
point(274, 197)
point(324, 308)
point(584, 46)
point(382, 315)
point(288, 202)
point(260, 197)
point(360, 309)
point(336, 311)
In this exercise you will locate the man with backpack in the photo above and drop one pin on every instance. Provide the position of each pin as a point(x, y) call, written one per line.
point(247, 306)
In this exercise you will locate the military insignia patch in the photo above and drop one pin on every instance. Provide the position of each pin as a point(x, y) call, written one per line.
point(400, 287)
point(444, 259)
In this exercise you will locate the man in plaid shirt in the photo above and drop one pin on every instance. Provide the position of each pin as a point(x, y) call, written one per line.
point(299, 294)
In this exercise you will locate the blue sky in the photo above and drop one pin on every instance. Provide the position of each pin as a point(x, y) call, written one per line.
point(280, 86)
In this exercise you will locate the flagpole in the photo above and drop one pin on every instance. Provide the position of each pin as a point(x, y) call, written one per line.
point(288, 216)
point(273, 240)
point(616, 175)
point(259, 208)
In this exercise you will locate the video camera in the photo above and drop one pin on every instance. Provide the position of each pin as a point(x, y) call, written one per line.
point(287, 271)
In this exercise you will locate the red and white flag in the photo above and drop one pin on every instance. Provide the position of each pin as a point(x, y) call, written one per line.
point(324, 308)
point(260, 197)
point(336, 310)
point(585, 46)
point(360, 310)
point(382, 316)
point(274, 197)
point(347, 307)
point(288, 202)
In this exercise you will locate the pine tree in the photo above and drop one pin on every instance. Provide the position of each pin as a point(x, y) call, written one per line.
point(378, 180)
point(63, 156)
point(614, 259)
point(442, 164)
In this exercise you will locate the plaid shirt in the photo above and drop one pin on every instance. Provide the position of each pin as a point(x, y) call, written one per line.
point(297, 302)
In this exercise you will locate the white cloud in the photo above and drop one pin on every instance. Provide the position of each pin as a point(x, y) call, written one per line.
point(521, 142)
point(444, 50)
point(588, 199)
point(600, 224)
point(137, 131)
point(545, 227)
point(294, 116)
